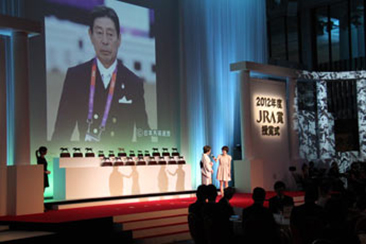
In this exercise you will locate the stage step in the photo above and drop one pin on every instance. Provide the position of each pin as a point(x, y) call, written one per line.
point(4, 227)
point(143, 224)
point(150, 215)
point(171, 238)
point(299, 200)
point(12, 236)
point(83, 204)
point(164, 226)
point(159, 231)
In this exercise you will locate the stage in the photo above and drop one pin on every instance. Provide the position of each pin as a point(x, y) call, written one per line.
point(159, 221)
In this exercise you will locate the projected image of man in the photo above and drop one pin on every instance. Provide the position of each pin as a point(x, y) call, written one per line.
point(102, 98)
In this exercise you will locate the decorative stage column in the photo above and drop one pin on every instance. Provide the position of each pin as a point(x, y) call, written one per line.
point(3, 120)
point(21, 98)
point(266, 121)
point(245, 114)
point(292, 122)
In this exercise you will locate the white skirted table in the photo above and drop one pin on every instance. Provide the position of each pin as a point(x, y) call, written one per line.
point(84, 178)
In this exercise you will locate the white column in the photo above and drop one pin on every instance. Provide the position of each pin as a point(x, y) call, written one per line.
point(3, 122)
point(246, 115)
point(21, 98)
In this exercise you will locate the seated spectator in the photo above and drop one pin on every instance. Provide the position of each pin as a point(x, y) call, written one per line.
point(313, 171)
point(195, 218)
point(259, 225)
point(210, 216)
point(278, 202)
point(325, 189)
point(337, 229)
point(333, 171)
point(225, 211)
point(306, 180)
point(308, 220)
point(356, 182)
point(335, 176)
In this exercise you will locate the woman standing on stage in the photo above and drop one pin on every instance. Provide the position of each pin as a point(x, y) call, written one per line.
point(40, 153)
point(224, 169)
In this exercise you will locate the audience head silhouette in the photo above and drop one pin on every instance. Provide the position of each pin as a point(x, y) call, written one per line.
point(201, 193)
point(229, 193)
point(279, 188)
point(259, 195)
point(211, 193)
point(311, 194)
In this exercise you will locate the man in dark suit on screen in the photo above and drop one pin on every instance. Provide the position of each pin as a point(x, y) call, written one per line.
point(102, 97)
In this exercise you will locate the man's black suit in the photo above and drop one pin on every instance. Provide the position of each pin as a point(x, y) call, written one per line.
point(124, 113)
point(277, 204)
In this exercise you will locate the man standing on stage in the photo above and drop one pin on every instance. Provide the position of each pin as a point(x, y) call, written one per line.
point(101, 97)
point(206, 166)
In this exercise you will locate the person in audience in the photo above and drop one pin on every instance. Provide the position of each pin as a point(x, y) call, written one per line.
point(356, 182)
point(195, 217)
point(225, 211)
point(258, 224)
point(210, 216)
point(224, 169)
point(305, 175)
point(337, 230)
point(325, 189)
point(206, 166)
point(335, 177)
point(333, 171)
point(280, 201)
point(313, 171)
point(308, 220)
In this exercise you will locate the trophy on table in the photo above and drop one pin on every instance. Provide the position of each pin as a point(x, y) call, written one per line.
point(101, 154)
point(121, 152)
point(106, 161)
point(89, 152)
point(165, 152)
point(181, 160)
point(111, 154)
point(156, 152)
point(118, 161)
point(77, 152)
point(141, 160)
point(175, 152)
point(64, 152)
point(132, 153)
point(152, 161)
point(130, 161)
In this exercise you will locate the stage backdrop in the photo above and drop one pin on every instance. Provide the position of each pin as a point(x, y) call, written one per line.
point(216, 33)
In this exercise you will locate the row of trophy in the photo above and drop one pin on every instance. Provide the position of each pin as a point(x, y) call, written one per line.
point(142, 160)
point(121, 153)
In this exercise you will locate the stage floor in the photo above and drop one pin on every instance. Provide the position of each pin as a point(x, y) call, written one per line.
point(146, 221)
point(240, 200)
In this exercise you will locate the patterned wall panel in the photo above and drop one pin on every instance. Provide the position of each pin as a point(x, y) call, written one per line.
point(324, 122)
